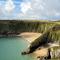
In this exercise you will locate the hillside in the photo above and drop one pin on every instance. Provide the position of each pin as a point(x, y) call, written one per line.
point(16, 27)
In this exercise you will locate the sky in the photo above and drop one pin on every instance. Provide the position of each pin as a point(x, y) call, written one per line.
point(30, 9)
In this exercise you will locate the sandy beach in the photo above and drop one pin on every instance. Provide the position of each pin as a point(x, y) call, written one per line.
point(40, 53)
point(30, 36)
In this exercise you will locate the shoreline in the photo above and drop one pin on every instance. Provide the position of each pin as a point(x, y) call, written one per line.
point(30, 37)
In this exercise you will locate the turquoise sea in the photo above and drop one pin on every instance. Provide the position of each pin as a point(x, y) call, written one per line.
point(11, 48)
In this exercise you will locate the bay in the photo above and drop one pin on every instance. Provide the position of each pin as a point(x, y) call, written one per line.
point(11, 48)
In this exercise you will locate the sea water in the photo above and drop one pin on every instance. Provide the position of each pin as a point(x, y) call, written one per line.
point(11, 48)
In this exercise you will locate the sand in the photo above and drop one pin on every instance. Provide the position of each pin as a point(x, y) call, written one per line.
point(30, 36)
point(41, 53)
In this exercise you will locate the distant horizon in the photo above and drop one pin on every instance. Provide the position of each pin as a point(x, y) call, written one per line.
point(27, 20)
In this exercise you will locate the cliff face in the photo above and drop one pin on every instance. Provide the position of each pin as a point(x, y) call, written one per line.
point(15, 27)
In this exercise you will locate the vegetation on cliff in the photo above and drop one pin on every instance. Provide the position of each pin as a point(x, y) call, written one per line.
point(14, 26)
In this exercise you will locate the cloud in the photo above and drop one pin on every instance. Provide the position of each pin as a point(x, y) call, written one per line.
point(9, 6)
point(0, 10)
point(7, 9)
point(41, 9)
point(25, 6)
point(31, 9)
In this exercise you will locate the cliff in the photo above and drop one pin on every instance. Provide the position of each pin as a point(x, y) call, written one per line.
point(16, 26)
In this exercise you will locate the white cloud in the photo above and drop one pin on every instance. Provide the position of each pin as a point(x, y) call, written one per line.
point(32, 9)
point(41, 9)
point(9, 6)
point(25, 6)
point(0, 10)
point(57, 13)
